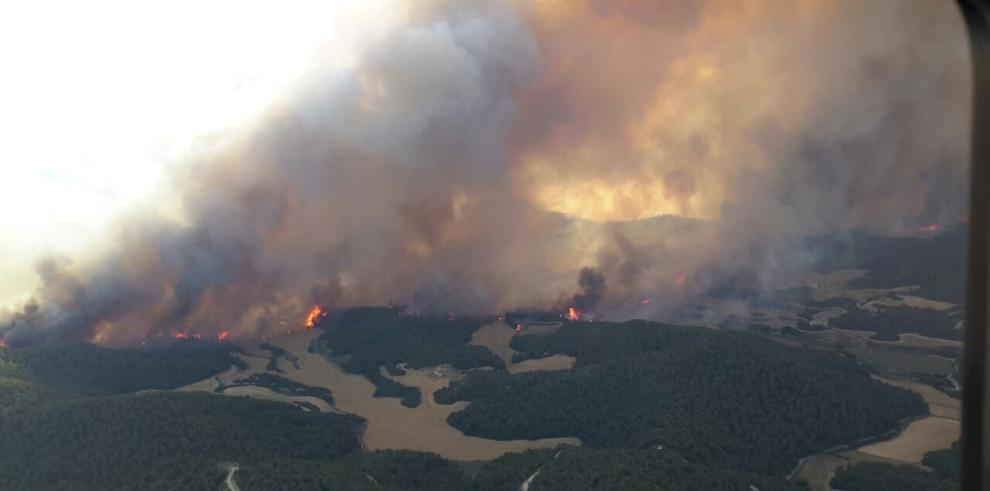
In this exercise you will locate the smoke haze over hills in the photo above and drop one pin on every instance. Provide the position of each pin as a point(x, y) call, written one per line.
point(478, 155)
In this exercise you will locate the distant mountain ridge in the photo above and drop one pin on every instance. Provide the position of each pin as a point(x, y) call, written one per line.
point(937, 264)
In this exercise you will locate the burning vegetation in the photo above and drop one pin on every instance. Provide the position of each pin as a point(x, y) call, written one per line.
point(475, 179)
point(313, 316)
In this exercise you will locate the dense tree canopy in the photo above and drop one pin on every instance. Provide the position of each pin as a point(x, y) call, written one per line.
point(874, 476)
point(936, 265)
point(281, 385)
point(716, 397)
point(160, 440)
point(622, 469)
point(656, 406)
point(83, 367)
point(889, 324)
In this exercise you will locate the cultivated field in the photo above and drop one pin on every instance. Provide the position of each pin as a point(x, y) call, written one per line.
point(912, 340)
point(255, 361)
point(390, 424)
point(270, 395)
point(819, 470)
point(496, 338)
point(905, 301)
point(920, 437)
point(822, 318)
point(860, 295)
point(934, 432)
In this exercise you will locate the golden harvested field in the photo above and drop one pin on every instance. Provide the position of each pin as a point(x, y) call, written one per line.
point(270, 395)
point(908, 447)
point(913, 340)
point(919, 438)
point(496, 338)
point(935, 432)
point(390, 424)
point(906, 301)
point(860, 295)
point(819, 470)
point(256, 362)
point(822, 318)
point(939, 403)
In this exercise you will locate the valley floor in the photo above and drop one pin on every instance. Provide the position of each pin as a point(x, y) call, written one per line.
point(390, 425)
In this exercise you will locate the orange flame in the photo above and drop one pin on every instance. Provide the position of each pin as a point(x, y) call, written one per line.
point(223, 335)
point(314, 314)
point(3, 343)
point(645, 301)
point(681, 278)
point(931, 227)
point(181, 335)
point(573, 314)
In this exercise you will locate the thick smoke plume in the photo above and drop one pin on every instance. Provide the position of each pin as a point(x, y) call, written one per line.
point(479, 154)
point(592, 284)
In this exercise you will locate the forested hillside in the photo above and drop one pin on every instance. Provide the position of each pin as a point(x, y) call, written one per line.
point(160, 440)
point(889, 324)
point(937, 265)
point(656, 406)
point(719, 398)
point(86, 368)
point(594, 342)
point(622, 469)
point(566, 468)
point(375, 337)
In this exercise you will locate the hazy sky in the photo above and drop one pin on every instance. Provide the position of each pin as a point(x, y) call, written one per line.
point(207, 165)
point(100, 97)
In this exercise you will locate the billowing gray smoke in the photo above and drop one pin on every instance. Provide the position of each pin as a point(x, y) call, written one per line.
point(592, 285)
point(480, 154)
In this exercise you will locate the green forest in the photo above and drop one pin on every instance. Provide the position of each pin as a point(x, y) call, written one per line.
point(656, 407)
point(889, 324)
point(936, 265)
point(716, 397)
point(622, 469)
point(280, 385)
point(565, 468)
point(85, 368)
point(159, 440)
